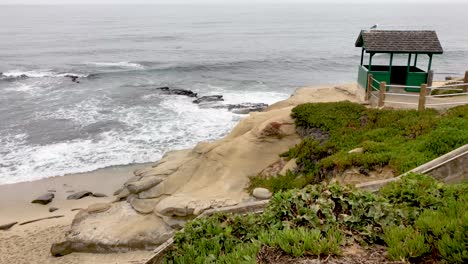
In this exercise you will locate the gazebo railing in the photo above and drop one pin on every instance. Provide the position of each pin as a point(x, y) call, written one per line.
point(454, 94)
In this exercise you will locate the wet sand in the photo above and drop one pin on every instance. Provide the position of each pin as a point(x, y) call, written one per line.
point(31, 243)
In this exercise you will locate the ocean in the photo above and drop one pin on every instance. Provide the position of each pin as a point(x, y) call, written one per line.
point(114, 115)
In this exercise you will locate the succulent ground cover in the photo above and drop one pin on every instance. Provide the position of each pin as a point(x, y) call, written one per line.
point(416, 219)
point(398, 139)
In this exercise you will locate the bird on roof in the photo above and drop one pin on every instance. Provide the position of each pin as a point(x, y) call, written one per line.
point(374, 26)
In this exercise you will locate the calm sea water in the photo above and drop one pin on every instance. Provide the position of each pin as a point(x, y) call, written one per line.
point(52, 126)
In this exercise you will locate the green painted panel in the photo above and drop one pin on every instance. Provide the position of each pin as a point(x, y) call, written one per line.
point(415, 79)
point(362, 77)
point(381, 76)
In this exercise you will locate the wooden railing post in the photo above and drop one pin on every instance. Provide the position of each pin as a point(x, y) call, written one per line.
point(465, 80)
point(422, 97)
point(369, 86)
point(382, 88)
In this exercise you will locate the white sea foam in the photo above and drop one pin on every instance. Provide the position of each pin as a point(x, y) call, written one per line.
point(38, 74)
point(174, 124)
point(253, 95)
point(121, 64)
point(150, 130)
point(22, 87)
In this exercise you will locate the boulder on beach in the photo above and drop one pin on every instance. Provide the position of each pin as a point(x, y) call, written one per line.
point(44, 199)
point(79, 195)
point(53, 209)
point(145, 184)
point(261, 193)
point(7, 226)
point(208, 99)
point(99, 195)
point(167, 90)
point(118, 228)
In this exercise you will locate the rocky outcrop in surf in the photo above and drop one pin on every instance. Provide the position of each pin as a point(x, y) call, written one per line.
point(214, 101)
point(167, 90)
point(159, 199)
point(20, 75)
point(208, 99)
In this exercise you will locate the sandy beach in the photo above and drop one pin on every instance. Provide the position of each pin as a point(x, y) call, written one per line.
point(31, 243)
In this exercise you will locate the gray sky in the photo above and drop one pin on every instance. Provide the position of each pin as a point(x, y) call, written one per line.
point(215, 1)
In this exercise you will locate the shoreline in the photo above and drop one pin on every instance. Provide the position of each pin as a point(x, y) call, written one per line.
point(37, 238)
point(31, 243)
point(15, 198)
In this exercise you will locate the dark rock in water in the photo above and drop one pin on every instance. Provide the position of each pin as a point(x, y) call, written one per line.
point(44, 199)
point(208, 98)
point(12, 78)
point(53, 209)
point(243, 108)
point(79, 195)
point(246, 108)
point(61, 249)
point(7, 226)
point(167, 90)
point(99, 195)
point(72, 77)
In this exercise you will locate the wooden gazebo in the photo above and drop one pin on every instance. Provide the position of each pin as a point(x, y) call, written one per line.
point(411, 42)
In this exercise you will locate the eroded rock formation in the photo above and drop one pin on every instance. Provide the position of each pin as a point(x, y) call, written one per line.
point(185, 183)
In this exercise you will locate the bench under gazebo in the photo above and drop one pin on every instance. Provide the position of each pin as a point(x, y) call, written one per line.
point(413, 43)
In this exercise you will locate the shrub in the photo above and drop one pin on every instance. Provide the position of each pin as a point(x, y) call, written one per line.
point(417, 219)
point(400, 139)
point(302, 241)
point(405, 243)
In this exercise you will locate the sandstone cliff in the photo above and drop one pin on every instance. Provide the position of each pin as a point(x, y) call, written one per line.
point(185, 183)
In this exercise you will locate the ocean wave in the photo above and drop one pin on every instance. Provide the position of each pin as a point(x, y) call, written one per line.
point(121, 64)
point(18, 74)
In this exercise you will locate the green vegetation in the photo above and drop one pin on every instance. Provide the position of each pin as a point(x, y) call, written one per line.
point(398, 139)
point(322, 219)
point(417, 218)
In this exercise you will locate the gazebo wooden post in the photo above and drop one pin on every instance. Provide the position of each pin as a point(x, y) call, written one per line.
point(383, 86)
point(370, 60)
point(465, 80)
point(362, 56)
point(430, 78)
point(390, 68)
point(369, 86)
point(422, 97)
point(409, 63)
point(430, 63)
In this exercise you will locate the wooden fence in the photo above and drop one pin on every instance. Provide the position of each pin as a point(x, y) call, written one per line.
point(378, 91)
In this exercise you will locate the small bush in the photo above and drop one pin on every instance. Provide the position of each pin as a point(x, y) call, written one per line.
point(279, 183)
point(301, 241)
point(405, 243)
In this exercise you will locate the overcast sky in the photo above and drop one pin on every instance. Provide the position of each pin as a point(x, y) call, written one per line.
point(213, 1)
